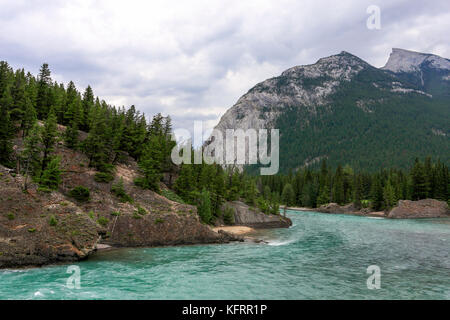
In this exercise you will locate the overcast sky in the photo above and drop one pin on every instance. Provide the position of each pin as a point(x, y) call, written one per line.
point(194, 59)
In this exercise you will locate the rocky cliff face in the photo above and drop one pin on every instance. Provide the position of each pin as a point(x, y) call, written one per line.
point(305, 87)
point(341, 108)
point(26, 236)
point(250, 217)
point(39, 228)
point(402, 60)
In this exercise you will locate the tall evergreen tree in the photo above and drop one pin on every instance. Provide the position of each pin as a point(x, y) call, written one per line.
point(49, 135)
point(6, 135)
point(419, 181)
point(42, 102)
point(31, 161)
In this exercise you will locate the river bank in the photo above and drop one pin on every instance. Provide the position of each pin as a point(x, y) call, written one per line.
point(405, 209)
point(322, 256)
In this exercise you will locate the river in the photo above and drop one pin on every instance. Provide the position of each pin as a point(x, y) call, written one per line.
point(322, 256)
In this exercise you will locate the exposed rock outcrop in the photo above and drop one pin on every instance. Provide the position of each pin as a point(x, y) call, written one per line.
point(427, 208)
point(335, 208)
point(28, 238)
point(38, 228)
point(251, 217)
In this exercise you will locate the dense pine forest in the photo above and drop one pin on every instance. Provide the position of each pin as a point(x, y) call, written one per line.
point(379, 191)
point(32, 109)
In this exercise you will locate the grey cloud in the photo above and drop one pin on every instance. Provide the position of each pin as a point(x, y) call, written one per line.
point(194, 60)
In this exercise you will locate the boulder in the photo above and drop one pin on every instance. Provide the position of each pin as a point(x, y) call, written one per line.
point(245, 215)
point(427, 208)
point(335, 208)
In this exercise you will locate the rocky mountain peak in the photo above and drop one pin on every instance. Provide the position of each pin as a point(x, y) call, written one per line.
point(341, 66)
point(402, 60)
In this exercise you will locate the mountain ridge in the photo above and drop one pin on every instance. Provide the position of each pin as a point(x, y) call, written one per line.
point(305, 101)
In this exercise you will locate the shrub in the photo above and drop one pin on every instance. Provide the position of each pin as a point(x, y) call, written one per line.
point(103, 221)
point(169, 194)
point(10, 216)
point(103, 177)
point(228, 216)
point(119, 191)
point(80, 193)
point(159, 220)
point(91, 215)
point(141, 211)
point(32, 230)
point(115, 213)
point(53, 222)
point(51, 177)
point(136, 215)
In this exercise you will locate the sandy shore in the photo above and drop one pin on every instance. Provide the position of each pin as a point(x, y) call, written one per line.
point(237, 230)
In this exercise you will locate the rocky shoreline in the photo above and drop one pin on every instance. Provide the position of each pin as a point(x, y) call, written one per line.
point(39, 228)
point(405, 209)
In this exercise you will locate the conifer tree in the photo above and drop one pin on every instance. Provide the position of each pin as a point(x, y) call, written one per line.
point(29, 117)
point(377, 194)
point(185, 183)
point(338, 186)
point(87, 106)
point(42, 102)
point(31, 161)
point(419, 181)
point(324, 196)
point(51, 177)
point(149, 169)
point(389, 195)
point(288, 195)
point(6, 135)
point(204, 207)
point(49, 135)
point(71, 135)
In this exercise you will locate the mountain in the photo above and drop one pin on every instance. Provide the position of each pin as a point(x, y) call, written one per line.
point(346, 111)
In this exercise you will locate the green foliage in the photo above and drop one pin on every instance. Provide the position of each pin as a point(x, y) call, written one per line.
point(31, 155)
point(103, 177)
point(10, 216)
point(91, 215)
point(103, 221)
point(51, 176)
point(204, 207)
point(115, 214)
point(380, 190)
point(159, 221)
point(136, 215)
point(52, 221)
point(6, 135)
point(228, 216)
point(288, 195)
point(171, 196)
point(80, 193)
point(119, 191)
point(141, 211)
point(360, 126)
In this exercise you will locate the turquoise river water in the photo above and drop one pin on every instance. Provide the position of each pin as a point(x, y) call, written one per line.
point(322, 256)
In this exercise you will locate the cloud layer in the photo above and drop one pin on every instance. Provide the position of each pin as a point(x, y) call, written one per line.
point(194, 59)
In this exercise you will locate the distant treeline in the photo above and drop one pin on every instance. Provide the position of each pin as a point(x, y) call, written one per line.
point(380, 190)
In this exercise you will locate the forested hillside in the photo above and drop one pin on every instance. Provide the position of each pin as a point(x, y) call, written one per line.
point(346, 111)
point(37, 114)
point(34, 108)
